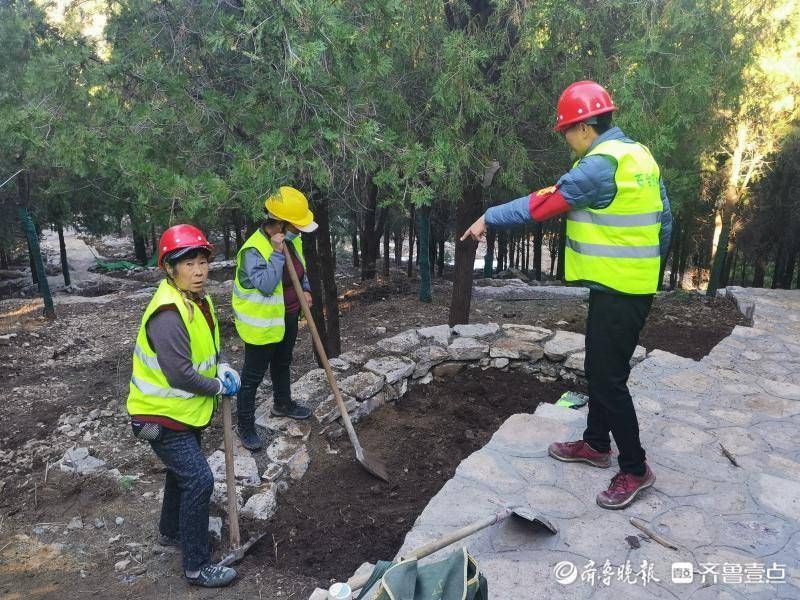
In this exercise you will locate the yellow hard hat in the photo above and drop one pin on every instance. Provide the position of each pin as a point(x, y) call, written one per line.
point(290, 205)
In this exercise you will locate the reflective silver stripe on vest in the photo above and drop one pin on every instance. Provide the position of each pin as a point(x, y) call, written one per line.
point(609, 251)
point(257, 297)
point(640, 220)
point(256, 322)
point(150, 361)
point(206, 364)
point(150, 389)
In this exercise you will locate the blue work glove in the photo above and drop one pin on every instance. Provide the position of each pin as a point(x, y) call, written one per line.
point(231, 382)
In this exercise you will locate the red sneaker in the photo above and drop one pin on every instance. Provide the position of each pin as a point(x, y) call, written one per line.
point(624, 489)
point(579, 451)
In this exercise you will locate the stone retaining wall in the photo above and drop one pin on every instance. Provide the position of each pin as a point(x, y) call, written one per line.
point(374, 375)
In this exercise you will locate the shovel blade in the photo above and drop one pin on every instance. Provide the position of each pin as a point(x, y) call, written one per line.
point(375, 466)
point(237, 554)
point(533, 517)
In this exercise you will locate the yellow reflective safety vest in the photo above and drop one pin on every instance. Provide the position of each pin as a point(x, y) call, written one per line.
point(150, 392)
point(260, 319)
point(618, 246)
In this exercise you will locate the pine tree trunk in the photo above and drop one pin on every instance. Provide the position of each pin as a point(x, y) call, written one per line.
point(424, 227)
point(328, 276)
point(238, 230)
point(502, 250)
point(537, 252)
point(139, 245)
point(313, 271)
point(411, 243)
point(511, 248)
point(62, 248)
point(354, 246)
point(488, 257)
point(3, 259)
point(469, 209)
point(386, 249)
point(153, 242)
point(676, 255)
point(226, 241)
point(440, 258)
point(758, 272)
point(398, 247)
point(730, 272)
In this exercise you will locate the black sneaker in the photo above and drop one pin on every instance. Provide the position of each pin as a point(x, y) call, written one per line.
point(250, 438)
point(290, 409)
point(213, 576)
point(165, 540)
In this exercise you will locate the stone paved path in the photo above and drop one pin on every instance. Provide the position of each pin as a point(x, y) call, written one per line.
point(737, 521)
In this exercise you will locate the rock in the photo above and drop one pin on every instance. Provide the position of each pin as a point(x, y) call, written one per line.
point(115, 539)
point(261, 506)
point(402, 343)
point(512, 274)
point(99, 523)
point(5, 339)
point(270, 423)
point(75, 523)
point(245, 468)
point(575, 362)
point(298, 429)
point(426, 358)
point(282, 450)
point(639, 354)
point(215, 527)
point(448, 369)
point(380, 331)
point(273, 472)
point(311, 387)
point(121, 565)
point(360, 356)
point(467, 348)
point(220, 495)
point(439, 334)
point(78, 460)
point(396, 390)
point(477, 330)
point(119, 521)
point(337, 364)
point(392, 369)
point(362, 385)
point(94, 414)
point(500, 363)
point(298, 464)
point(561, 323)
point(377, 400)
point(328, 411)
point(526, 333)
point(516, 349)
point(563, 344)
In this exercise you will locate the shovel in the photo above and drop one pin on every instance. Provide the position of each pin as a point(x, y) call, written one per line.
point(521, 514)
point(372, 464)
point(237, 549)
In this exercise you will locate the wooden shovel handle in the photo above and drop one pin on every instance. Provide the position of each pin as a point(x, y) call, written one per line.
point(230, 476)
point(351, 433)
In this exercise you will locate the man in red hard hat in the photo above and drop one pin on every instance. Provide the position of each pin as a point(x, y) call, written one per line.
point(618, 231)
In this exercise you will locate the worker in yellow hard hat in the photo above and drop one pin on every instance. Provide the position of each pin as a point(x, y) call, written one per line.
point(266, 308)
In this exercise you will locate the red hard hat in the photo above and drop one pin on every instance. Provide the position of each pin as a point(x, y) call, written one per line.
point(581, 100)
point(181, 236)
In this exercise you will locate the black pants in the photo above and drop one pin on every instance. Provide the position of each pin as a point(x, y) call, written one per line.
point(612, 332)
point(278, 357)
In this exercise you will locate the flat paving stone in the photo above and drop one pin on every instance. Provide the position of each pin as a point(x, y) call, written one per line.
point(742, 396)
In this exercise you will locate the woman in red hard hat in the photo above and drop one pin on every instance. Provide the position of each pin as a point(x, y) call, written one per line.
point(618, 232)
point(178, 373)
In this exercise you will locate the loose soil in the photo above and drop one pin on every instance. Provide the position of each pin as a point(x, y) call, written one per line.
point(338, 516)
